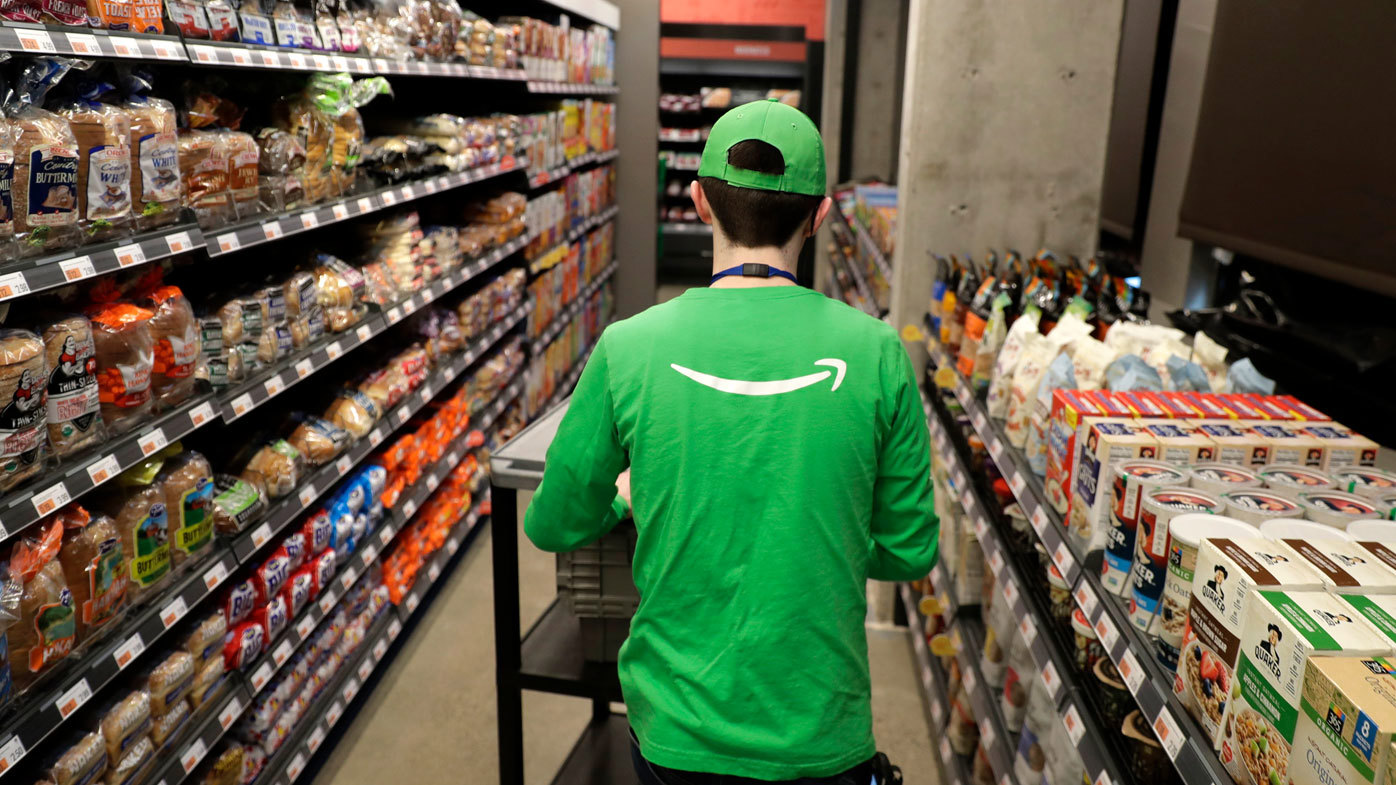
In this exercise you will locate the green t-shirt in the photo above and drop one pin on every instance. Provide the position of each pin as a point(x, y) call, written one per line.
point(779, 458)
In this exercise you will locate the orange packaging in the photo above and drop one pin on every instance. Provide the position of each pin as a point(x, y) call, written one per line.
point(109, 14)
point(147, 16)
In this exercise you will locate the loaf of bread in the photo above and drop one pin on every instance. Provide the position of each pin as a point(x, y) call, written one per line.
point(103, 134)
point(226, 769)
point(141, 521)
point(74, 400)
point(207, 679)
point(133, 764)
point(281, 166)
point(155, 176)
point(204, 168)
point(45, 186)
point(23, 418)
point(243, 162)
point(175, 332)
point(169, 681)
point(83, 762)
point(348, 146)
point(125, 354)
point(95, 567)
point(319, 441)
point(355, 412)
point(167, 726)
point(125, 723)
point(278, 466)
point(207, 638)
point(44, 632)
point(236, 504)
point(313, 128)
point(109, 14)
point(187, 481)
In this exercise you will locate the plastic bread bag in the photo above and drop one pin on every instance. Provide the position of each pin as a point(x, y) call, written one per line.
point(303, 119)
point(187, 481)
point(175, 332)
point(204, 168)
point(295, 548)
point(222, 20)
point(355, 412)
point(137, 507)
point(236, 503)
point(300, 293)
point(125, 722)
point(169, 681)
point(103, 133)
point(226, 769)
point(318, 531)
point(46, 627)
point(155, 173)
point(243, 168)
point(244, 643)
point(269, 577)
point(207, 680)
point(81, 762)
point(340, 97)
point(298, 590)
point(125, 354)
point(319, 440)
point(24, 416)
point(74, 401)
point(281, 167)
point(45, 186)
point(206, 639)
point(277, 465)
point(1060, 375)
point(147, 17)
point(238, 602)
point(132, 766)
point(273, 616)
point(1090, 358)
point(20, 10)
point(95, 565)
point(168, 726)
point(190, 17)
point(1212, 357)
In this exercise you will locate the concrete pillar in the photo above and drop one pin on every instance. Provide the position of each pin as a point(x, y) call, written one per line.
point(831, 121)
point(878, 87)
point(1005, 115)
point(637, 74)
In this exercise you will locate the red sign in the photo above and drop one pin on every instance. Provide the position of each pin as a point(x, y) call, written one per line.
point(806, 13)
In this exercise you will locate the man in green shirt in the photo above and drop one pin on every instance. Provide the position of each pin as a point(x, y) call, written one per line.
point(779, 457)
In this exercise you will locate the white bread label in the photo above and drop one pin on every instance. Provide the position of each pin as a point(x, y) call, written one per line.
point(53, 185)
point(159, 162)
point(108, 181)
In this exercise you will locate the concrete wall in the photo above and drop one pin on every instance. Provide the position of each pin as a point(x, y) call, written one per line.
point(1005, 114)
point(877, 93)
point(637, 73)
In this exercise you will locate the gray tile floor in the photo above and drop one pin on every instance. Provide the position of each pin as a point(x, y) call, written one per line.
point(431, 718)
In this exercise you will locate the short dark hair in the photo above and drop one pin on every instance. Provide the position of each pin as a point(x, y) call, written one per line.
point(753, 218)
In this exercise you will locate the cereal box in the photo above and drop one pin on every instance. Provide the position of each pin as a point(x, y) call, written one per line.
point(1069, 410)
point(1181, 444)
point(1343, 449)
point(1282, 632)
point(1101, 444)
point(1347, 715)
point(1346, 567)
point(1234, 445)
point(1289, 444)
point(1226, 572)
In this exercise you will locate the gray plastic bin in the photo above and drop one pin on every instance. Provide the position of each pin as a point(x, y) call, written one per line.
point(595, 584)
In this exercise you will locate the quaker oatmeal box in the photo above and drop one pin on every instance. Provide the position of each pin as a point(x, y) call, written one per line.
point(1282, 632)
point(1346, 720)
point(1346, 567)
point(1226, 572)
point(1101, 445)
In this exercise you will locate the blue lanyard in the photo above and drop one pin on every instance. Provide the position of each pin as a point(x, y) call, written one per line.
point(753, 271)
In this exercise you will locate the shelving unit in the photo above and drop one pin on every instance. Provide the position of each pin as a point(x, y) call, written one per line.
point(1184, 741)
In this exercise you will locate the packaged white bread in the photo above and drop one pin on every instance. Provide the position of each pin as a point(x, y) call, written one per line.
point(1228, 570)
point(1347, 712)
point(1282, 631)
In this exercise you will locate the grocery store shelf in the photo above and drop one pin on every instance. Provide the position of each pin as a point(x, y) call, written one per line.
point(553, 660)
point(573, 235)
point(283, 512)
point(571, 88)
point(600, 11)
point(38, 39)
point(865, 303)
point(90, 468)
point(935, 694)
point(967, 634)
point(1184, 741)
point(270, 382)
point(860, 235)
point(210, 723)
point(564, 387)
point(681, 135)
point(549, 176)
point(26, 276)
point(601, 756)
point(268, 228)
point(47, 711)
point(684, 227)
point(440, 561)
point(570, 311)
point(684, 66)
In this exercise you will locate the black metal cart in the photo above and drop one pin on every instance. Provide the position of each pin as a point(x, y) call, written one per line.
point(549, 657)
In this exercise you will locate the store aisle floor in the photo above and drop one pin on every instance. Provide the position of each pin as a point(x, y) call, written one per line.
point(431, 719)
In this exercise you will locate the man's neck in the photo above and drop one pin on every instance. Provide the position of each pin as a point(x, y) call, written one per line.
point(726, 255)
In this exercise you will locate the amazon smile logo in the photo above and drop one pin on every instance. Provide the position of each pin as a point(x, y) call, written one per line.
point(776, 387)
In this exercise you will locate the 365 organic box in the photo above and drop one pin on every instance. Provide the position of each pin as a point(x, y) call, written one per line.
point(1347, 715)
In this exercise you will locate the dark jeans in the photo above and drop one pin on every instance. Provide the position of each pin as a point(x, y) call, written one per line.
point(650, 774)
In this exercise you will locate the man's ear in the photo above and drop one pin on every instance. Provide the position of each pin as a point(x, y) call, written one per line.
point(700, 202)
point(820, 215)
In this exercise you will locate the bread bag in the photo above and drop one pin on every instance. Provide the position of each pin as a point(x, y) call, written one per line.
point(155, 175)
point(82, 762)
point(103, 134)
point(137, 506)
point(125, 354)
point(243, 167)
point(204, 168)
point(168, 725)
point(236, 503)
point(23, 416)
point(133, 764)
point(319, 441)
point(238, 602)
point(74, 399)
point(47, 624)
point(175, 333)
point(95, 566)
point(281, 167)
point(300, 117)
point(146, 17)
point(187, 481)
point(207, 679)
point(355, 412)
point(277, 466)
point(46, 163)
point(109, 14)
point(125, 723)
point(206, 639)
point(20, 10)
point(226, 769)
point(169, 681)
point(244, 643)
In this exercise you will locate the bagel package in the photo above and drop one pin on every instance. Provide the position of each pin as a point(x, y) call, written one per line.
point(23, 415)
point(74, 399)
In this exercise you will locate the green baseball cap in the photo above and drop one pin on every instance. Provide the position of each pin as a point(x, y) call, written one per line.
point(783, 127)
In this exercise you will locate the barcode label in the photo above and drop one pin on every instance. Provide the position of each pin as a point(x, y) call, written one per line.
point(1168, 733)
point(76, 269)
point(327, 603)
point(343, 464)
point(282, 653)
point(127, 47)
point(230, 713)
point(34, 41)
point(434, 571)
point(242, 404)
point(215, 575)
point(201, 414)
point(274, 386)
point(1051, 679)
point(241, 56)
point(304, 368)
point(260, 535)
point(340, 212)
point(351, 688)
point(173, 612)
point(192, 755)
point(364, 333)
point(365, 205)
point(305, 626)
point(271, 229)
point(1085, 597)
point(307, 495)
point(229, 242)
point(309, 220)
point(84, 44)
point(261, 676)
point(1107, 632)
point(1131, 672)
point(394, 627)
point(334, 350)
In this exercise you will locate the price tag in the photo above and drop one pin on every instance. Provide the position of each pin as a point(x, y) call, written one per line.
point(51, 499)
point(230, 713)
point(340, 63)
point(274, 386)
point(242, 404)
point(389, 198)
point(411, 603)
point(15, 285)
point(434, 571)
point(981, 529)
point(327, 602)
point(73, 698)
point(241, 56)
point(1010, 590)
point(409, 508)
point(432, 482)
point(1169, 734)
point(128, 651)
point(305, 626)
point(269, 58)
point(375, 436)
point(1064, 560)
point(307, 495)
point(334, 350)
point(322, 62)
point(295, 767)
point(201, 414)
point(1039, 520)
point(192, 755)
point(977, 417)
point(304, 368)
point(369, 554)
point(203, 54)
point(1131, 672)
point(282, 653)
point(1028, 629)
point(128, 255)
point(1086, 599)
point(261, 676)
point(229, 242)
point(429, 186)
point(385, 535)
point(986, 733)
point(1105, 629)
point(335, 710)
point(164, 50)
point(967, 501)
point(11, 753)
point(309, 220)
point(340, 212)
point(127, 47)
point(173, 612)
point(363, 333)
point(365, 204)
point(272, 229)
point(296, 59)
point(75, 269)
point(995, 560)
point(394, 627)
point(1051, 679)
point(365, 668)
point(1103, 778)
point(394, 315)
point(351, 688)
point(1018, 484)
point(260, 535)
point(453, 545)
point(945, 752)
point(347, 579)
point(34, 41)
point(452, 458)
point(153, 441)
point(403, 414)
point(84, 44)
point(427, 392)
point(996, 448)
point(971, 681)
point(343, 464)
point(215, 575)
point(379, 649)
